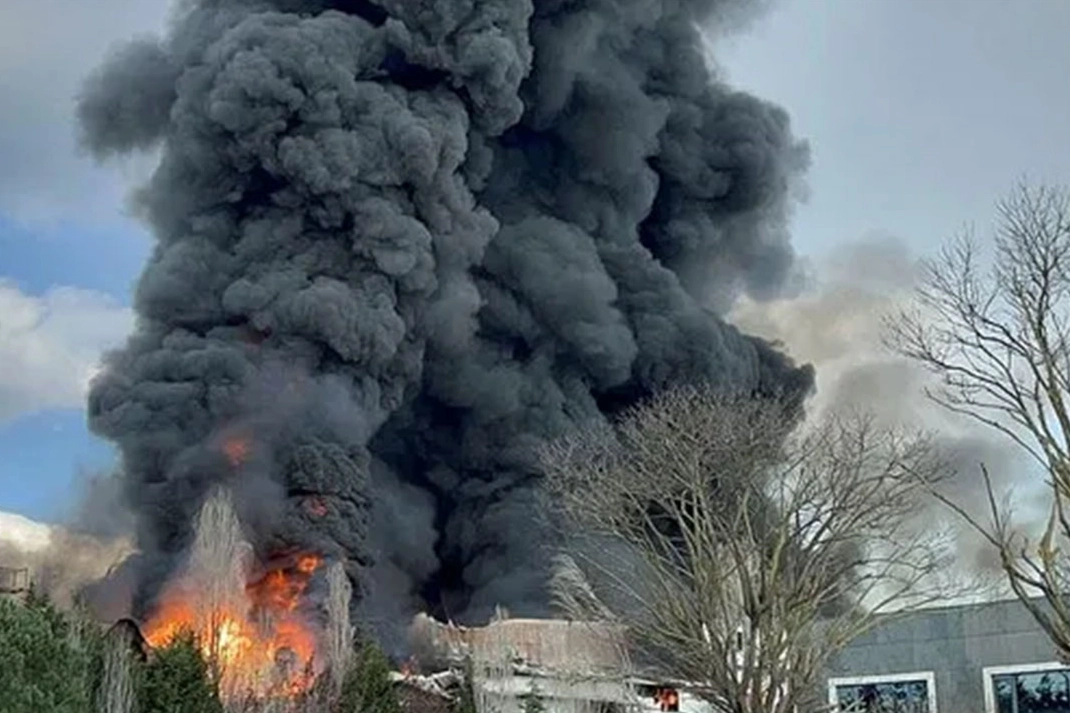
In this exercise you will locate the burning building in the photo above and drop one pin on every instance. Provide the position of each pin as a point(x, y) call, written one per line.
point(573, 666)
point(257, 624)
point(399, 245)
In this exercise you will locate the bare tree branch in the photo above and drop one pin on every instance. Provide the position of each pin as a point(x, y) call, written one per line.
point(998, 342)
point(737, 552)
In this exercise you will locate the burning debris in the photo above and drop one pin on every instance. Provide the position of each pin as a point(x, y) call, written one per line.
point(401, 243)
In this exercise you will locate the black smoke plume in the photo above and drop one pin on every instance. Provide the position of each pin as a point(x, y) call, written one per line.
point(400, 243)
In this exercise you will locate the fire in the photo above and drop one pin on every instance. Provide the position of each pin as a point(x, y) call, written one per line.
point(236, 449)
point(261, 647)
point(410, 667)
point(316, 506)
point(668, 699)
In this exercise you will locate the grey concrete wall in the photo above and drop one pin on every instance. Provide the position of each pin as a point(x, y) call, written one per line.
point(955, 643)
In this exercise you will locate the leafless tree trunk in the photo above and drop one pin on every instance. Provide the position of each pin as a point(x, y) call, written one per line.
point(739, 554)
point(996, 338)
point(116, 693)
point(339, 639)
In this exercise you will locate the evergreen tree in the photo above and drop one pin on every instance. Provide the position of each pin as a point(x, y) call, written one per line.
point(46, 663)
point(178, 680)
point(367, 687)
point(532, 701)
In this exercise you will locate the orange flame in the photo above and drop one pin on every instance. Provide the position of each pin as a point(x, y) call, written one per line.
point(237, 450)
point(668, 699)
point(410, 667)
point(264, 647)
point(316, 506)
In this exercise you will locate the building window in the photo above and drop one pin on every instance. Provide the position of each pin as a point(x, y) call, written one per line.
point(665, 698)
point(896, 693)
point(1029, 688)
point(668, 700)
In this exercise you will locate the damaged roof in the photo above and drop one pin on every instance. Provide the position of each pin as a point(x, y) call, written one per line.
point(549, 644)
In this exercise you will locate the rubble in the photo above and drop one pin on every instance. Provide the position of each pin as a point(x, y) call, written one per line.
point(443, 683)
point(435, 693)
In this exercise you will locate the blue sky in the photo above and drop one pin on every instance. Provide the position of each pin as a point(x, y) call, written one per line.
point(920, 115)
point(92, 257)
point(44, 444)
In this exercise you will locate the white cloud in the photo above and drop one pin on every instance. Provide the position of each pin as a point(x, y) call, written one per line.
point(46, 49)
point(24, 534)
point(50, 346)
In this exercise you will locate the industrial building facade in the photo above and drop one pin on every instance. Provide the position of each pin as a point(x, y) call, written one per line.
point(990, 658)
point(978, 658)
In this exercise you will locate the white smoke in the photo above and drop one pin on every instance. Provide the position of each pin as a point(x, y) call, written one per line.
point(60, 561)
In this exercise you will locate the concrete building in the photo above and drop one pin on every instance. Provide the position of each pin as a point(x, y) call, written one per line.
point(978, 658)
point(990, 658)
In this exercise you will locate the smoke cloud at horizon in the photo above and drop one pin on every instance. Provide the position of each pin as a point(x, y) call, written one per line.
point(400, 243)
point(836, 325)
point(65, 562)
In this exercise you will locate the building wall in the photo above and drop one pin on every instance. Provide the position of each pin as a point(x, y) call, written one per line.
point(572, 695)
point(956, 644)
point(559, 695)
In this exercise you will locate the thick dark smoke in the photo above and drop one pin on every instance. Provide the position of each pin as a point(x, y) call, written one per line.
point(401, 242)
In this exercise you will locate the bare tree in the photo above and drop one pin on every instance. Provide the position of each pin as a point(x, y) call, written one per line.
point(737, 553)
point(116, 693)
point(995, 335)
